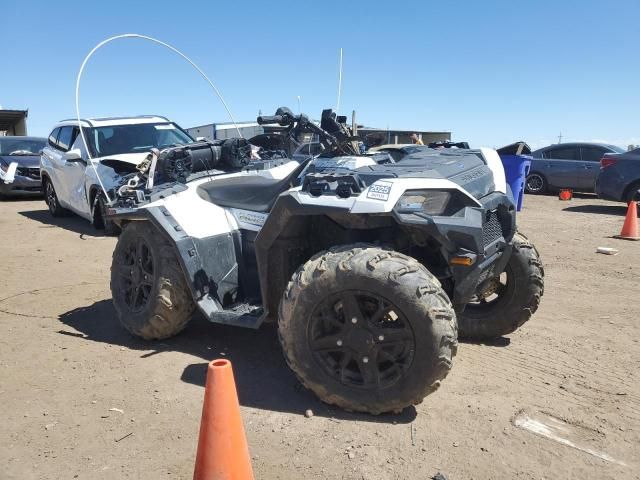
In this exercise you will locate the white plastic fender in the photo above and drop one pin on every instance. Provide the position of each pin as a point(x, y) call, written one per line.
point(495, 164)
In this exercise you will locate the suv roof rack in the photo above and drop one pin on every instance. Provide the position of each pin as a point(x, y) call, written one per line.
point(103, 119)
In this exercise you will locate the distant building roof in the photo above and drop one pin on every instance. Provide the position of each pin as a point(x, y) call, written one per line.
point(10, 118)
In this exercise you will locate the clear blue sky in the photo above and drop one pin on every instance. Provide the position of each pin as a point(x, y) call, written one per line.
point(491, 72)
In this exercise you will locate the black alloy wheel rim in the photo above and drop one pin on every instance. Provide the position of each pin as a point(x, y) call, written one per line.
point(495, 291)
point(535, 183)
point(361, 339)
point(51, 197)
point(136, 266)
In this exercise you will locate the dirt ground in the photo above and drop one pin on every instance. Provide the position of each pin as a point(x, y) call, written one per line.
point(65, 363)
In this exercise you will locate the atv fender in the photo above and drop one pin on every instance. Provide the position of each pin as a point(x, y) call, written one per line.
point(209, 264)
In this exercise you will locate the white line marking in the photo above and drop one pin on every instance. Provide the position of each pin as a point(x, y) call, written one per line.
point(554, 432)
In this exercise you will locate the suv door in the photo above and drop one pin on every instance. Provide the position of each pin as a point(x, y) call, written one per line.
point(73, 173)
point(562, 166)
point(589, 166)
point(53, 159)
point(68, 175)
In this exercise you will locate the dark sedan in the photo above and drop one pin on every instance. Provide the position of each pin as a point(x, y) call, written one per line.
point(20, 165)
point(619, 177)
point(567, 165)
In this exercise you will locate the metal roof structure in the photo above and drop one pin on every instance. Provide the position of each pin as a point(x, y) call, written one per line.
point(13, 122)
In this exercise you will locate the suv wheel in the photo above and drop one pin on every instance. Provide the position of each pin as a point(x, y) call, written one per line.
point(51, 198)
point(99, 215)
point(632, 193)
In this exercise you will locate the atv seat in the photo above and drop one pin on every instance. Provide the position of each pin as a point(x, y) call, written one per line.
point(254, 193)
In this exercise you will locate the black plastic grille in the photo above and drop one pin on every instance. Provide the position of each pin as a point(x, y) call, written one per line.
point(492, 228)
point(33, 173)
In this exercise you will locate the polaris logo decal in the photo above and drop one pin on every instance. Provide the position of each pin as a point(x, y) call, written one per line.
point(472, 176)
point(380, 191)
point(249, 218)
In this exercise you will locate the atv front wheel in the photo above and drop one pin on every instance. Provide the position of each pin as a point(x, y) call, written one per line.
point(367, 329)
point(510, 300)
point(149, 291)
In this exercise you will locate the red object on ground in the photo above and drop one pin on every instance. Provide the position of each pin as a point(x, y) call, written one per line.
point(630, 228)
point(565, 194)
point(223, 453)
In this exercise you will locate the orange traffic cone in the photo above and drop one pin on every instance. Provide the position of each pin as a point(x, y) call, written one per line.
point(223, 453)
point(630, 227)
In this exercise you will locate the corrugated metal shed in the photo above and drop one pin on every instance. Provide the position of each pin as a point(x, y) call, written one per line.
point(13, 122)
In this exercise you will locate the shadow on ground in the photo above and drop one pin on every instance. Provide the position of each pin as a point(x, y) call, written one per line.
point(490, 342)
point(262, 377)
point(618, 210)
point(70, 222)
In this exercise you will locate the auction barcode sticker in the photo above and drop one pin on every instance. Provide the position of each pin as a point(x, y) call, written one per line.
point(379, 191)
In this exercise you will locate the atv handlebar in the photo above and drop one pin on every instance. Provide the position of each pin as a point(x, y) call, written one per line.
point(265, 119)
point(338, 140)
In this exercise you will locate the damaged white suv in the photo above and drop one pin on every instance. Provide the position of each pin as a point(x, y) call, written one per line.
point(117, 145)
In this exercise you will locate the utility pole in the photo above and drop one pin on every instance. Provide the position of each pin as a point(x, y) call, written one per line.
point(560, 138)
point(299, 111)
point(354, 125)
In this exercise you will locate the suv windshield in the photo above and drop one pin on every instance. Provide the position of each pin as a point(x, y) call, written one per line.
point(117, 139)
point(20, 146)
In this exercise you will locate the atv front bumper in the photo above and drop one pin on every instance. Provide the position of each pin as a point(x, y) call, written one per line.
point(480, 234)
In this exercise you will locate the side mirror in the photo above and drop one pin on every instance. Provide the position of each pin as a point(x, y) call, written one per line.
point(73, 156)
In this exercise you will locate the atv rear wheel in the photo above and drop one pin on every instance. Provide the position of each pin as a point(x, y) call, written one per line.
point(510, 300)
point(367, 329)
point(149, 291)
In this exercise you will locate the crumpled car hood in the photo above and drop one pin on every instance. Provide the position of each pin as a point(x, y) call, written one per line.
point(132, 158)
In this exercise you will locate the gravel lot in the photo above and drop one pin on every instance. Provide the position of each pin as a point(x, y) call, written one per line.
point(65, 363)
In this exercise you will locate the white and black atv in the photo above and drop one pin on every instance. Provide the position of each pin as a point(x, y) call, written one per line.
point(368, 266)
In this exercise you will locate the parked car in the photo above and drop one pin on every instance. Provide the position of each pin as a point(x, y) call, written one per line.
point(117, 145)
point(567, 165)
point(619, 177)
point(20, 165)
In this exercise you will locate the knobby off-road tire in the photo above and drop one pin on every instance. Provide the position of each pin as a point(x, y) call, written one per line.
point(516, 299)
point(149, 290)
point(367, 329)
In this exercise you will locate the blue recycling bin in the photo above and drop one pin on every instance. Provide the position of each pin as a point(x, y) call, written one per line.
point(516, 169)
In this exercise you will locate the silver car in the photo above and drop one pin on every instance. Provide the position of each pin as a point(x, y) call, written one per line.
point(567, 165)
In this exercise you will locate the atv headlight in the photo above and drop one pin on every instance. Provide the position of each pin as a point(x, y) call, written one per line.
point(431, 202)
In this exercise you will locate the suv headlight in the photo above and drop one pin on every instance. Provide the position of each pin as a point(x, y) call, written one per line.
point(430, 202)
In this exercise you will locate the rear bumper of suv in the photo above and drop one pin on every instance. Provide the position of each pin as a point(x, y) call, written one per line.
point(609, 185)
